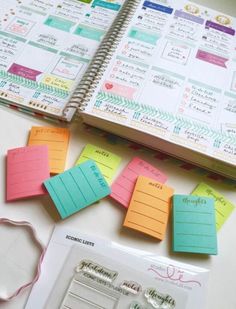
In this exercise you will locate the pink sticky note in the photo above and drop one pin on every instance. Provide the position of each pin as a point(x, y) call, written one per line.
point(122, 189)
point(27, 169)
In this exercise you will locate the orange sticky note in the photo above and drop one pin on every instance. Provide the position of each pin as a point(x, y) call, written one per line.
point(57, 140)
point(149, 208)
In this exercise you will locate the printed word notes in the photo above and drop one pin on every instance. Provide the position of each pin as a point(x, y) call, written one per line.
point(223, 208)
point(149, 208)
point(194, 225)
point(77, 188)
point(122, 189)
point(27, 169)
point(105, 160)
point(57, 140)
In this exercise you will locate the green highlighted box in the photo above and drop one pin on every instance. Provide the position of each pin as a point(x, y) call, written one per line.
point(89, 33)
point(59, 23)
point(143, 36)
point(106, 5)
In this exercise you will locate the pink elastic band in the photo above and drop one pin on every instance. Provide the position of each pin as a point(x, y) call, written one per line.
point(38, 244)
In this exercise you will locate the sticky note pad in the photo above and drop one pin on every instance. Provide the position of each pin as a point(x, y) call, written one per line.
point(149, 208)
point(123, 187)
point(77, 188)
point(57, 140)
point(105, 160)
point(223, 207)
point(27, 169)
point(194, 224)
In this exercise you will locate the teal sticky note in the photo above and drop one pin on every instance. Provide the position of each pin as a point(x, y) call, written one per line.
point(194, 225)
point(77, 188)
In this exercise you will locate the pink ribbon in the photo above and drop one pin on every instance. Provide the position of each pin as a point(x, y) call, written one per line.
point(28, 226)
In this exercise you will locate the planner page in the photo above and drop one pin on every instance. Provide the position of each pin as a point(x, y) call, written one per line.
point(173, 75)
point(46, 46)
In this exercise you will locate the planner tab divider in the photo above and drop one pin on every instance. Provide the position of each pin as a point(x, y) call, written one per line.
point(123, 187)
point(149, 208)
point(77, 188)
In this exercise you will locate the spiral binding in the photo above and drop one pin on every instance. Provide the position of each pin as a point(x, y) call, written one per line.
point(98, 65)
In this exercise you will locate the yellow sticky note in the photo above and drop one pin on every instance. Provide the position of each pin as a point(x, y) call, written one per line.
point(105, 160)
point(57, 140)
point(58, 82)
point(149, 208)
point(223, 207)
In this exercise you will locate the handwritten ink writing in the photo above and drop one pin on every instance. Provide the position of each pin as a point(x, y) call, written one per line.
point(97, 270)
point(173, 274)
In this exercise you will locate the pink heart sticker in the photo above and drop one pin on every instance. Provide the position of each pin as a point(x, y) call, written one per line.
point(108, 86)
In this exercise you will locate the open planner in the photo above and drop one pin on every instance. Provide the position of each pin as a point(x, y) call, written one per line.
point(45, 48)
point(161, 73)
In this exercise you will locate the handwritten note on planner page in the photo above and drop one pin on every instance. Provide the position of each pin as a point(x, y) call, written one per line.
point(174, 75)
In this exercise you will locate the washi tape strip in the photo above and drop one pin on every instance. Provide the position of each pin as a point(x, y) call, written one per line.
point(37, 242)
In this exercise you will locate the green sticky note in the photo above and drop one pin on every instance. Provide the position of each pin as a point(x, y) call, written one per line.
point(77, 188)
point(194, 224)
point(105, 160)
point(223, 207)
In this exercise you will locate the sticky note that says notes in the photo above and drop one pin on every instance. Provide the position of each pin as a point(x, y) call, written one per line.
point(149, 208)
point(194, 225)
point(27, 169)
point(223, 207)
point(77, 188)
point(123, 187)
point(105, 160)
point(57, 140)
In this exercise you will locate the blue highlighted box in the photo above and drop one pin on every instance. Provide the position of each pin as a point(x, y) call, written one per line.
point(158, 7)
point(106, 5)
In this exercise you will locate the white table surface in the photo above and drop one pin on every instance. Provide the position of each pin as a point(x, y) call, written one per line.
point(105, 219)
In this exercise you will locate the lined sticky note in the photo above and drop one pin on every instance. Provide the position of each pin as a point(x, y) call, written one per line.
point(123, 187)
point(223, 207)
point(105, 160)
point(194, 224)
point(149, 208)
point(57, 140)
point(77, 188)
point(27, 169)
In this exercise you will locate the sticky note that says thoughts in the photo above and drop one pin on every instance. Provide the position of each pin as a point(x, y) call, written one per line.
point(149, 208)
point(77, 188)
point(123, 187)
point(194, 224)
point(27, 169)
point(105, 160)
point(223, 207)
point(57, 140)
